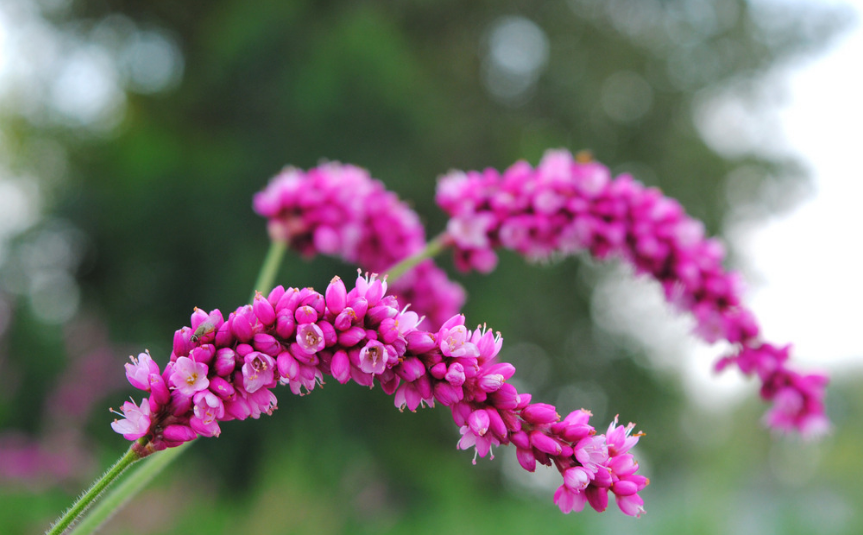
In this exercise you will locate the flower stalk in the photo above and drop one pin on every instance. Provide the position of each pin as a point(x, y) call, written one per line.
point(92, 494)
point(155, 463)
point(126, 489)
point(267, 276)
point(432, 249)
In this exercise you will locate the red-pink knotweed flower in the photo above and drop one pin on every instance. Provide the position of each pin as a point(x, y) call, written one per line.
point(797, 402)
point(208, 408)
point(376, 341)
point(568, 205)
point(258, 371)
point(463, 373)
point(373, 358)
point(340, 210)
point(253, 351)
point(430, 292)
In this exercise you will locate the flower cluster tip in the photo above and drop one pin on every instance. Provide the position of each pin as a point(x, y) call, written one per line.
point(568, 205)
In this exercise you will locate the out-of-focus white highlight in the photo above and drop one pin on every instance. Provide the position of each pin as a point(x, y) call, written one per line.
point(517, 52)
point(634, 310)
point(811, 259)
point(804, 268)
point(86, 87)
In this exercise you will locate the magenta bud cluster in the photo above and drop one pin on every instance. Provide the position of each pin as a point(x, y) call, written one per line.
point(225, 369)
point(568, 205)
point(340, 210)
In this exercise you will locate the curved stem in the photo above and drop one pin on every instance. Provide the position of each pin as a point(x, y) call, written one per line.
point(432, 248)
point(156, 462)
point(87, 499)
point(133, 484)
point(270, 269)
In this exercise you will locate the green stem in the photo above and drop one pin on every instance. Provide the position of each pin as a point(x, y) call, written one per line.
point(267, 275)
point(432, 248)
point(156, 462)
point(133, 484)
point(87, 499)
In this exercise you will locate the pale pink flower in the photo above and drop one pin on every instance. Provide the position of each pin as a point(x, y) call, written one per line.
point(591, 452)
point(455, 343)
point(189, 376)
point(137, 420)
point(577, 478)
point(569, 500)
point(631, 504)
point(310, 338)
point(140, 369)
point(482, 443)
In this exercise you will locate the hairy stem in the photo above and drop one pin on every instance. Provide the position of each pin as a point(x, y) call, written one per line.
point(90, 496)
point(133, 484)
point(158, 461)
point(154, 463)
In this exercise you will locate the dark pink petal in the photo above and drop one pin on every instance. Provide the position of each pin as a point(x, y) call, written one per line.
point(179, 433)
point(540, 413)
point(221, 388)
point(526, 459)
point(158, 389)
point(478, 421)
point(544, 443)
point(340, 366)
point(264, 310)
point(597, 497)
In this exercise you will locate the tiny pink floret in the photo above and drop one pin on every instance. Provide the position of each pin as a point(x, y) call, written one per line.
point(139, 370)
point(189, 376)
point(137, 420)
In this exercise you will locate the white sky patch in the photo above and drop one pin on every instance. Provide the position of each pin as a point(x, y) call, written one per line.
point(811, 259)
point(86, 87)
point(636, 312)
point(804, 268)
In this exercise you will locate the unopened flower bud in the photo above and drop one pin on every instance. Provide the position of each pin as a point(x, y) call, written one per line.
point(179, 433)
point(336, 295)
point(540, 413)
point(264, 311)
point(305, 314)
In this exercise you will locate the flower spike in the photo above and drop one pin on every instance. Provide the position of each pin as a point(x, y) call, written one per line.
point(340, 210)
point(568, 205)
point(367, 336)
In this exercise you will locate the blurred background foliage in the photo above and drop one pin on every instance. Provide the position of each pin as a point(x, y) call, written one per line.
point(133, 135)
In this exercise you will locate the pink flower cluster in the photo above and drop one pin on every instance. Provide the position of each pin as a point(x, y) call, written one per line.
point(225, 369)
point(340, 210)
point(569, 205)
